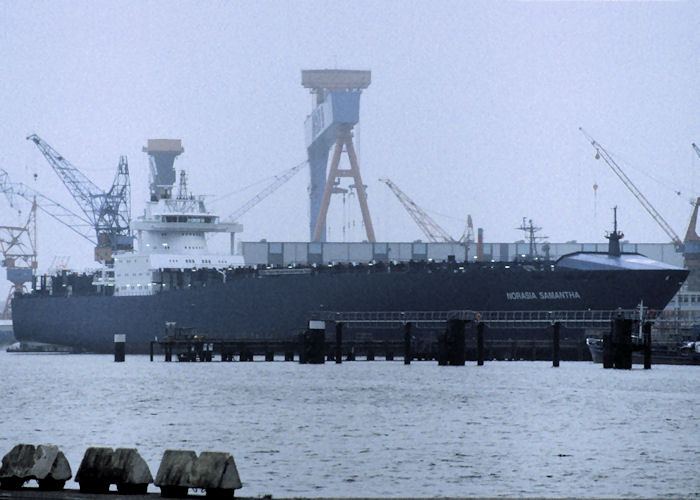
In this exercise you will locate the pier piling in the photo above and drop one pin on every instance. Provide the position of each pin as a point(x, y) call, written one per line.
point(608, 351)
point(622, 343)
point(288, 348)
point(388, 351)
point(456, 354)
point(338, 343)
point(646, 332)
point(555, 344)
point(442, 348)
point(311, 349)
point(480, 344)
point(407, 344)
point(119, 348)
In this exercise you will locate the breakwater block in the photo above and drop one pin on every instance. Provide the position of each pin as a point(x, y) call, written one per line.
point(44, 463)
point(102, 467)
point(212, 471)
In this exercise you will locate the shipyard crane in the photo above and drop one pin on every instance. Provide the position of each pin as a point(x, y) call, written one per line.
point(601, 152)
point(19, 256)
point(430, 228)
point(271, 188)
point(468, 234)
point(108, 212)
point(75, 222)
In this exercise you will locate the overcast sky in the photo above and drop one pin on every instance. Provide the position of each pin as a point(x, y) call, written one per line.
point(474, 108)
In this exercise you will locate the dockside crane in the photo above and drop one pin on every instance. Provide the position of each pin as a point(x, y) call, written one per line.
point(271, 188)
point(468, 234)
point(108, 212)
point(18, 244)
point(75, 222)
point(19, 257)
point(602, 153)
point(430, 228)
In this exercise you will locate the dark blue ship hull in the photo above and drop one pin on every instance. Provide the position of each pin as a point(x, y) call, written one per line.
point(258, 305)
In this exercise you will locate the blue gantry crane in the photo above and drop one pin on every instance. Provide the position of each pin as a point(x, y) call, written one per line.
point(336, 111)
point(108, 212)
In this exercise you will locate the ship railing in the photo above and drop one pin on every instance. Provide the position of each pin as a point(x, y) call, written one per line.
point(284, 271)
point(494, 319)
point(683, 323)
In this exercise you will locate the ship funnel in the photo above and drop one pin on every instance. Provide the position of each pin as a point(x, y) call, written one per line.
point(162, 154)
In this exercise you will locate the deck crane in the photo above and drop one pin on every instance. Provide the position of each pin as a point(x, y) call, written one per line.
point(271, 188)
point(108, 212)
point(430, 228)
point(601, 152)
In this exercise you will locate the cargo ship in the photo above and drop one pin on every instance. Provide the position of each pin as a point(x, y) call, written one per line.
point(173, 278)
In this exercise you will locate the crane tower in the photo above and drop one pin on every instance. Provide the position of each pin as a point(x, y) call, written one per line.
point(336, 111)
point(108, 212)
point(18, 247)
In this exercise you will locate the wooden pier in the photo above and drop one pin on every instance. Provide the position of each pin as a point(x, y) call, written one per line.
point(463, 338)
point(197, 350)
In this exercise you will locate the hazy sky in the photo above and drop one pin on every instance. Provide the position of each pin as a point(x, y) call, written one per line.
point(474, 108)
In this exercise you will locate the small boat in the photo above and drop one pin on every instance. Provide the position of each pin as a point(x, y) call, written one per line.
point(687, 353)
point(35, 347)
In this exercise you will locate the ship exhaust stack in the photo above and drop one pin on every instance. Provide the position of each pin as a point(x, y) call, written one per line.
point(162, 154)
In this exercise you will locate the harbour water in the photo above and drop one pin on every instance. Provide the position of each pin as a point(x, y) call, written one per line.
point(520, 429)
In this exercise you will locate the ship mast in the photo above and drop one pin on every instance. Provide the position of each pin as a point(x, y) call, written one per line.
point(530, 230)
point(614, 237)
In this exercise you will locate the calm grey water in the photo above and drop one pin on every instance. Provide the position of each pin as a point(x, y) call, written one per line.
point(375, 428)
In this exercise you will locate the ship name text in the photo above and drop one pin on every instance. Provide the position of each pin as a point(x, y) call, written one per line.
point(560, 295)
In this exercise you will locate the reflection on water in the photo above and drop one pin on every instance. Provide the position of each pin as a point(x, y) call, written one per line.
point(375, 428)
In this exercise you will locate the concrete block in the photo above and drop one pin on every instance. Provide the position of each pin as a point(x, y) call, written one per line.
point(215, 470)
point(44, 463)
point(180, 470)
point(16, 465)
point(124, 467)
point(51, 468)
point(173, 472)
point(132, 475)
point(95, 474)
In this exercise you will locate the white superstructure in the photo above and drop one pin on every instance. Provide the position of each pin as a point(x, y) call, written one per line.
point(171, 234)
